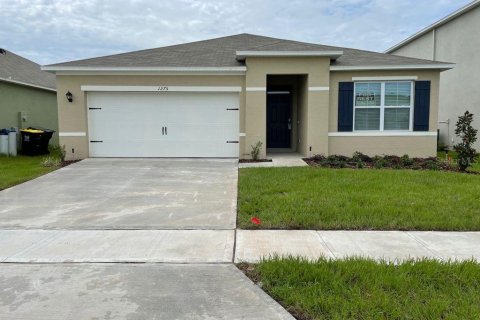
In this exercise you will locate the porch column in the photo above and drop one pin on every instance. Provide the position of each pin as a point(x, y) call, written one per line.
point(255, 113)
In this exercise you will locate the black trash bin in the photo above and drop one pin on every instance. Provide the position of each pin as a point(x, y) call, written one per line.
point(35, 140)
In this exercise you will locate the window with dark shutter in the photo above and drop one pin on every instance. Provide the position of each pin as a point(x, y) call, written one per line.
point(345, 106)
point(421, 112)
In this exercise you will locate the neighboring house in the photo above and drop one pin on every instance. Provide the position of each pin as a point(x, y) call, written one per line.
point(218, 97)
point(455, 38)
point(27, 94)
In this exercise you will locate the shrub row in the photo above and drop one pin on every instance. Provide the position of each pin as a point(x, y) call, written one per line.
point(360, 160)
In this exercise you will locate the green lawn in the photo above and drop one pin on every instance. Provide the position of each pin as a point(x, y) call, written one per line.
point(15, 170)
point(364, 289)
point(316, 198)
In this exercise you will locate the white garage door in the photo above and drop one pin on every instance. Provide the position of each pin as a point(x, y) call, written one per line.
point(163, 124)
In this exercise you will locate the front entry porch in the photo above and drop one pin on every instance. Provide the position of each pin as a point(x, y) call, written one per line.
point(285, 112)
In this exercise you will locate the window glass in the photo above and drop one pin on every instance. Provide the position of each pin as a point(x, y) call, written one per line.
point(367, 119)
point(368, 94)
point(398, 93)
point(396, 119)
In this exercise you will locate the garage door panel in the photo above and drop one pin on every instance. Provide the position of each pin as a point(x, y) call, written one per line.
point(130, 124)
point(156, 148)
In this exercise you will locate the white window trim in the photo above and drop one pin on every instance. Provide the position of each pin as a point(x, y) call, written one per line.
point(382, 106)
point(385, 78)
point(384, 134)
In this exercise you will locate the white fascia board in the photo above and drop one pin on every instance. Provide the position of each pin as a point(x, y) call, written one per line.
point(161, 88)
point(147, 73)
point(444, 66)
point(388, 78)
point(384, 134)
point(334, 54)
point(435, 25)
point(28, 84)
point(148, 70)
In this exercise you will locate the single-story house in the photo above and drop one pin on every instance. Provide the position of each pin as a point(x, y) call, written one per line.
point(453, 38)
point(28, 95)
point(218, 97)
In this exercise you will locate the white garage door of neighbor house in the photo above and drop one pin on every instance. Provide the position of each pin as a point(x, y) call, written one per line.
point(163, 124)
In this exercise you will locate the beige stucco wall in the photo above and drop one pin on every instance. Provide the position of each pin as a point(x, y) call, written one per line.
point(316, 102)
point(423, 49)
point(372, 146)
point(456, 41)
point(73, 116)
point(303, 116)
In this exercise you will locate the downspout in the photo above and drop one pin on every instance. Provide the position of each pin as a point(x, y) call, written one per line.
point(434, 46)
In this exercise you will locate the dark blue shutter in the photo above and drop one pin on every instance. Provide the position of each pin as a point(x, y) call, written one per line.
point(345, 106)
point(421, 108)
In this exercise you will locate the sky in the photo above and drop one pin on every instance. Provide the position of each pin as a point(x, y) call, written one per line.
point(52, 31)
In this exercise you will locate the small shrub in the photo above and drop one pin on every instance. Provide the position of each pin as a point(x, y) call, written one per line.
point(406, 161)
point(58, 151)
point(361, 157)
point(468, 135)
point(256, 148)
point(431, 164)
point(50, 161)
point(358, 159)
point(336, 161)
point(393, 161)
point(378, 162)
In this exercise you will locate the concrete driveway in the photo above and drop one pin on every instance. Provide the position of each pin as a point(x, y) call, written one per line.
point(127, 194)
point(132, 291)
point(160, 270)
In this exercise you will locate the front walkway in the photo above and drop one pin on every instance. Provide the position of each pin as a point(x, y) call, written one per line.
point(290, 159)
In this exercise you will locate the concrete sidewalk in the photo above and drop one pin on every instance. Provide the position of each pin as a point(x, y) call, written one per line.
point(217, 246)
point(167, 246)
point(252, 245)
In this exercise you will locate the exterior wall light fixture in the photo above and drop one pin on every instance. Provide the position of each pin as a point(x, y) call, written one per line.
point(69, 96)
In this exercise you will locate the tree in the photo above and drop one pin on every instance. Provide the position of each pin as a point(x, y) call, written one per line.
point(468, 136)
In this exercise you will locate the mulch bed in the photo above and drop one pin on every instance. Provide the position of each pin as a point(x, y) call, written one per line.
point(254, 161)
point(68, 162)
point(362, 161)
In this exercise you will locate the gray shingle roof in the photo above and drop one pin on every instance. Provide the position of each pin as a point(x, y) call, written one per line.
point(16, 68)
point(221, 52)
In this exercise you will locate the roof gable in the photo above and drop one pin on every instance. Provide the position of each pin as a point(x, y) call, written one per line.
point(16, 69)
point(222, 53)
